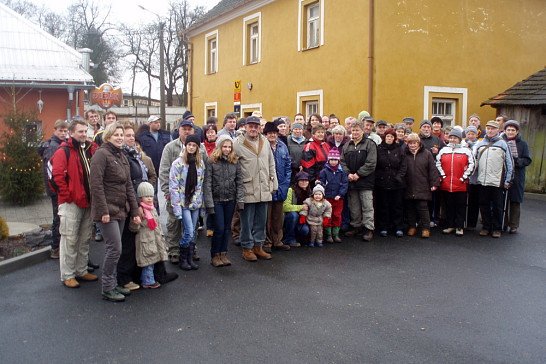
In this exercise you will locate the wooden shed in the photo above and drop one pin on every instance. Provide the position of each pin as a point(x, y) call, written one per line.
point(526, 103)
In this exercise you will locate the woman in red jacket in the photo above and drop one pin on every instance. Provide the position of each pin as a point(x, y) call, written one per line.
point(315, 153)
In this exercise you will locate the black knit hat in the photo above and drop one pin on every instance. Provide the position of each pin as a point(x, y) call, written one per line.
point(270, 126)
point(193, 138)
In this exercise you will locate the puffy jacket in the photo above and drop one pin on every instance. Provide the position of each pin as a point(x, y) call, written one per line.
point(335, 182)
point(360, 159)
point(391, 167)
point(522, 160)
point(223, 182)
point(316, 215)
point(314, 157)
point(153, 148)
point(111, 185)
point(209, 146)
point(295, 150)
point(46, 151)
point(282, 166)
point(421, 175)
point(150, 246)
point(177, 186)
point(70, 175)
point(455, 164)
point(493, 162)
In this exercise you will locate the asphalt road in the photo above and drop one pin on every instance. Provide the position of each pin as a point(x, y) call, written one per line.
point(409, 300)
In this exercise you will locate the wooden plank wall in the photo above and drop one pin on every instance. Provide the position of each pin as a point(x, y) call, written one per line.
point(533, 131)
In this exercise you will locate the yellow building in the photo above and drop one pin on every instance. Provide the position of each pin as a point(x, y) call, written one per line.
point(394, 58)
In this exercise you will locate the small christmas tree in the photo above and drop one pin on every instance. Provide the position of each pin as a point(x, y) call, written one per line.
point(21, 180)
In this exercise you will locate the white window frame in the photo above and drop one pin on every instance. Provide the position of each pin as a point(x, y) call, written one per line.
point(447, 90)
point(249, 21)
point(209, 105)
point(251, 106)
point(445, 117)
point(312, 24)
point(208, 37)
point(318, 93)
point(321, 4)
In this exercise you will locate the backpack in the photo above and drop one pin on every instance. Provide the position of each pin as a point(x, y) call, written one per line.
point(54, 187)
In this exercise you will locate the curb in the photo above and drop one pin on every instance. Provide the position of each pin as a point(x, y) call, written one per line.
point(25, 260)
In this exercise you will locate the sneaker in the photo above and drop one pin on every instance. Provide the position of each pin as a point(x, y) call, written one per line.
point(113, 295)
point(54, 253)
point(152, 286)
point(383, 233)
point(319, 245)
point(131, 286)
point(459, 232)
point(311, 245)
point(123, 291)
point(448, 230)
point(89, 277)
point(399, 233)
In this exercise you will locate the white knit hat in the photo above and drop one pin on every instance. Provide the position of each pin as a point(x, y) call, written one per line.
point(145, 189)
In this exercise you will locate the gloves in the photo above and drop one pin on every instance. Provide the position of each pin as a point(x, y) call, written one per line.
point(325, 222)
point(210, 211)
point(302, 219)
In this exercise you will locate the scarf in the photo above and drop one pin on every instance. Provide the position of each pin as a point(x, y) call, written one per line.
point(191, 178)
point(512, 145)
point(149, 217)
point(132, 151)
point(298, 140)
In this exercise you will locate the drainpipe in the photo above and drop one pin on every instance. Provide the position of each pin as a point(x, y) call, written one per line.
point(190, 77)
point(370, 58)
point(70, 90)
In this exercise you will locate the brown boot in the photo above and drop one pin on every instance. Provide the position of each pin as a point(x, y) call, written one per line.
point(248, 255)
point(89, 277)
point(216, 261)
point(71, 283)
point(260, 253)
point(412, 231)
point(267, 248)
point(281, 246)
point(425, 233)
point(224, 259)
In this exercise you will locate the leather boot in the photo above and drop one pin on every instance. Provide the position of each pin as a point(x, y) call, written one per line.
point(249, 256)
point(216, 261)
point(190, 257)
point(328, 232)
point(224, 259)
point(260, 253)
point(335, 233)
point(183, 260)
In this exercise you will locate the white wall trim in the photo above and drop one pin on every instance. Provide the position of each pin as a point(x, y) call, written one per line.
point(207, 36)
point(301, 94)
point(322, 23)
point(251, 106)
point(208, 105)
point(300, 23)
point(245, 20)
point(228, 16)
point(450, 90)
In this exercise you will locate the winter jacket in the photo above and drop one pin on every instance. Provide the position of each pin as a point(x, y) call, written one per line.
point(421, 175)
point(72, 175)
point(258, 169)
point(224, 131)
point(314, 157)
point(209, 147)
point(473, 179)
point(152, 176)
point(295, 150)
point(291, 204)
point(153, 148)
point(523, 160)
point(46, 151)
point(335, 182)
point(316, 215)
point(332, 142)
point(177, 186)
point(170, 154)
point(391, 167)
point(111, 185)
point(493, 162)
point(282, 166)
point(362, 160)
point(455, 164)
point(150, 247)
point(431, 141)
point(223, 182)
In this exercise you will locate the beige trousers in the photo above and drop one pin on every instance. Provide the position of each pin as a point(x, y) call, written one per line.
point(75, 230)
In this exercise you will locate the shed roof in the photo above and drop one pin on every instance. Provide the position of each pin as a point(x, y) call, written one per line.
point(30, 54)
point(531, 91)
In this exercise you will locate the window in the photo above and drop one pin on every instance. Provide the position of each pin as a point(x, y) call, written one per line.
point(310, 102)
point(448, 103)
point(210, 109)
point(211, 53)
point(310, 24)
point(252, 39)
point(125, 102)
point(248, 109)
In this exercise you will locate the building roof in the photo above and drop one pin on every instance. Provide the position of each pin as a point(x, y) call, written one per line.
point(531, 91)
point(30, 54)
point(220, 8)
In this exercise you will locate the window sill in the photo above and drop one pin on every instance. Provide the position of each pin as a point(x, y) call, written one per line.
point(310, 48)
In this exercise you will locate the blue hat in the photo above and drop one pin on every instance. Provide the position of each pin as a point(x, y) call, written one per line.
point(253, 120)
point(185, 122)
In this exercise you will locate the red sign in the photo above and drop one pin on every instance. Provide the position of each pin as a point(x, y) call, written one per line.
point(106, 96)
point(237, 97)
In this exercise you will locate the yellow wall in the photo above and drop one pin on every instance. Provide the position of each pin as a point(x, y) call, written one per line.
point(485, 46)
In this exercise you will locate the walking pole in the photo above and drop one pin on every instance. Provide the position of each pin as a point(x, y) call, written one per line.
point(505, 206)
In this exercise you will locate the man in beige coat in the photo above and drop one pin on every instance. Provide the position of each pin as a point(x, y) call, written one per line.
point(260, 181)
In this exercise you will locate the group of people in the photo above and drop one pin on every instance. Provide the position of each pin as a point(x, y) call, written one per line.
point(268, 185)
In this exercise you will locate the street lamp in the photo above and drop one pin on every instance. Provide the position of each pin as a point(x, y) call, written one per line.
point(161, 68)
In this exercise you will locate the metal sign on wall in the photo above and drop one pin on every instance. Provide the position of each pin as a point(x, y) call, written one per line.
point(237, 97)
point(106, 96)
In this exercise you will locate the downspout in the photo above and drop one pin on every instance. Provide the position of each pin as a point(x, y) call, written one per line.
point(70, 90)
point(370, 58)
point(190, 76)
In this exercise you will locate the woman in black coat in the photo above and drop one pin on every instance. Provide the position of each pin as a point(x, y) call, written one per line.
point(389, 181)
point(522, 158)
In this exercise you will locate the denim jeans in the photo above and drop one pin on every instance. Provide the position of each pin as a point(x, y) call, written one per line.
point(189, 219)
point(292, 229)
point(147, 276)
point(223, 214)
point(253, 221)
